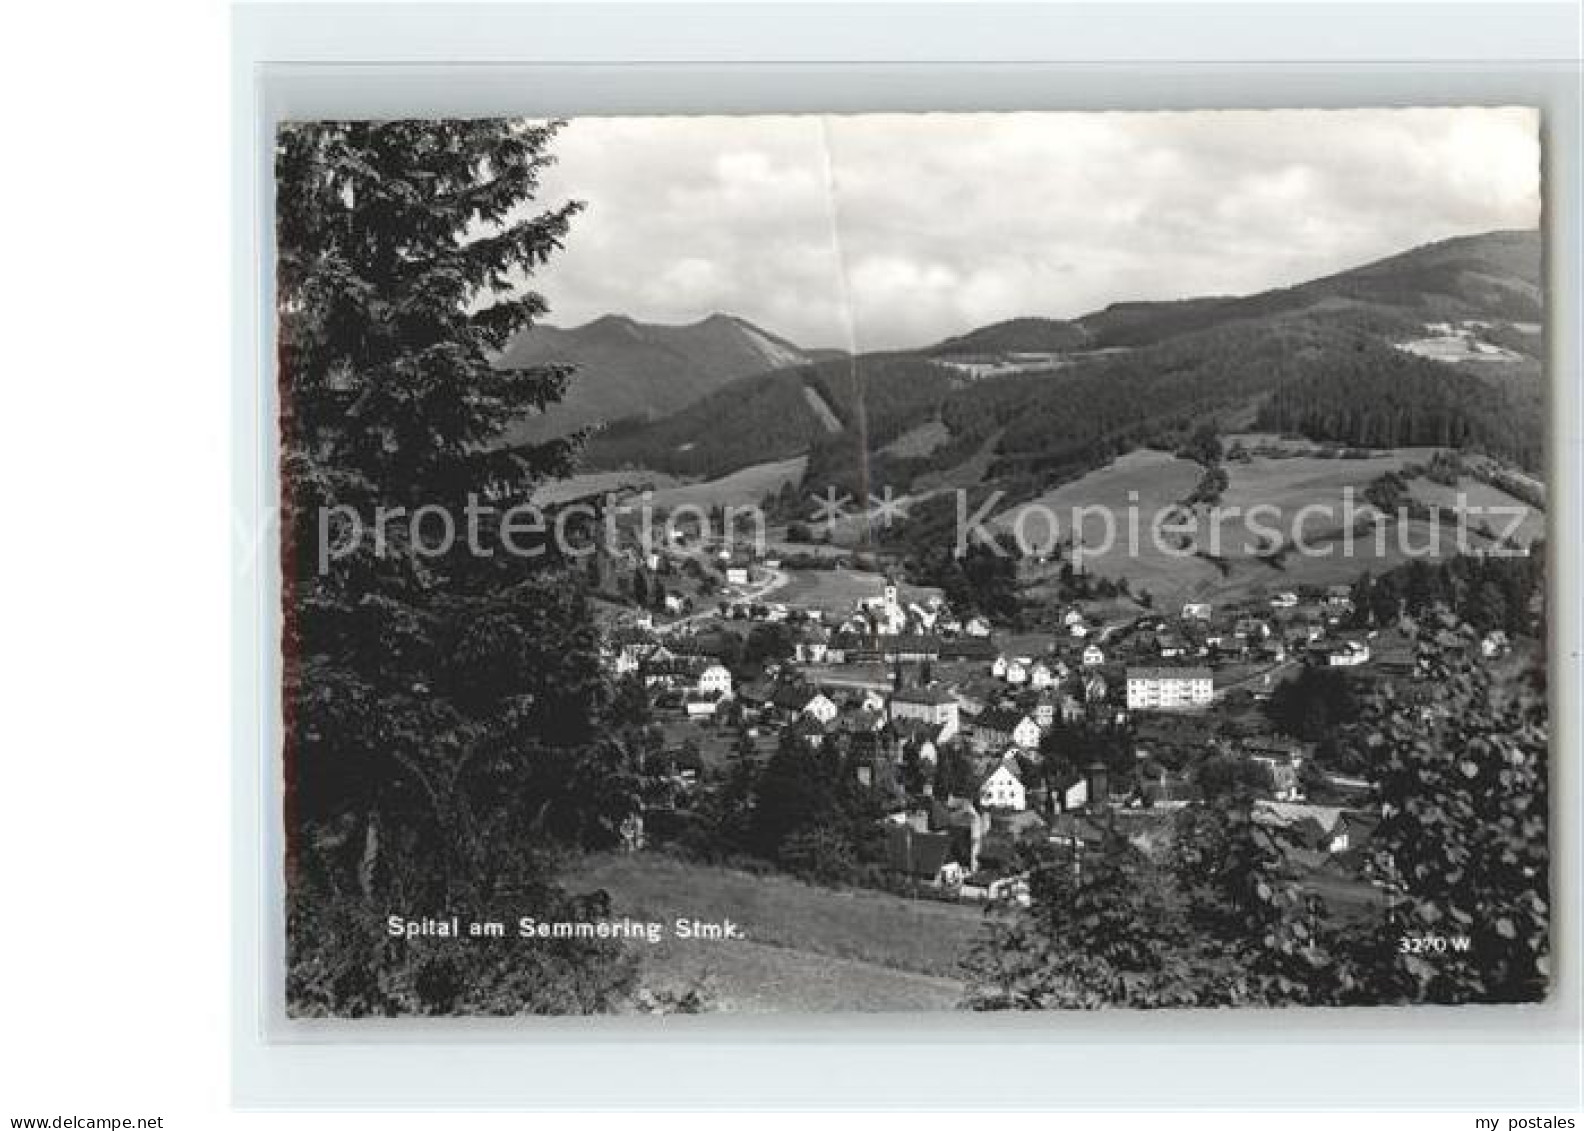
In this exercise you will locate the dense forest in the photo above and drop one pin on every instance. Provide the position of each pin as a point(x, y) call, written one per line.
point(1374, 396)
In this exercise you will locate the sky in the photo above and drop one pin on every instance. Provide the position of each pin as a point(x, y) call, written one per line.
point(895, 230)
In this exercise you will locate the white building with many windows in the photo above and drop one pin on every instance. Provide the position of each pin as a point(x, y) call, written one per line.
point(1003, 789)
point(1168, 689)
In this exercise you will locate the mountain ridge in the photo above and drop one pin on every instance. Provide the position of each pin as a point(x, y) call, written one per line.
point(1332, 347)
point(628, 369)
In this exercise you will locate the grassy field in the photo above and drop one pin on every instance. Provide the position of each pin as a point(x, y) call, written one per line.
point(1145, 480)
point(599, 482)
point(807, 947)
point(739, 489)
point(919, 441)
point(1481, 495)
point(835, 590)
point(1148, 480)
point(749, 977)
point(1283, 486)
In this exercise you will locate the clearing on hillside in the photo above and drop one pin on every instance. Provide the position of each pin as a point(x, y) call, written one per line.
point(743, 488)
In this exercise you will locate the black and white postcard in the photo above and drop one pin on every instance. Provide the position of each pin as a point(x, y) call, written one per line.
point(913, 562)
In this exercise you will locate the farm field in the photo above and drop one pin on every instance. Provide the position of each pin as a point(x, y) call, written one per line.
point(1283, 486)
point(1158, 479)
point(880, 950)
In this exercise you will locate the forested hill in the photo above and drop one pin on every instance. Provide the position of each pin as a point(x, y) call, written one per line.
point(780, 414)
point(1367, 357)
point(1493, 277)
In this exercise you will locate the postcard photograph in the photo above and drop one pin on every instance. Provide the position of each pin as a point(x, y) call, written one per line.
point(912, 562)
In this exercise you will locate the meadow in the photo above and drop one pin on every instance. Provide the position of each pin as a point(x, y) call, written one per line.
point(807, 948)
point(1296, 491)
point(743, 488)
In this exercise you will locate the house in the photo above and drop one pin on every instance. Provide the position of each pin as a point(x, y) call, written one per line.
point(1017, 670)
point(977, 626)
point(714, 680)
point(933, 706)
point(626, 649)
point(1250, 629)
point(1282, 761)
point(1196, 610)
point(675, 673)
point(1169, 645)
point(1093, 656)
point(736, 575)
point(991, 888)
point(918, 737)
point(860, 722)
point(812, 645)
point(1341, 653)
point(623, 661)
point(1494, 644)
point(1339, 597)
point(868, 700)
point(810, 728)
point(1323, 828)
point(894, 648)
point(1003, 789)
point(998, 667)
point(799, 700)
point(972, 649)
point(1040, 676)
point(1165, 689)
point(998, 727)
point(698, 706)
point(1068, 793)
point(674, 604)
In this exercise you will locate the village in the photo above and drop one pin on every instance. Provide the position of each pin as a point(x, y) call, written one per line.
point(979, 742)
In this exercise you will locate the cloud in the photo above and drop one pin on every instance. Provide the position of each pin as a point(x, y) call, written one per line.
point(896, 230)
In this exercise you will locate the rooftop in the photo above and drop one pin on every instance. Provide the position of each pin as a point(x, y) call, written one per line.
point(1169, 673)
